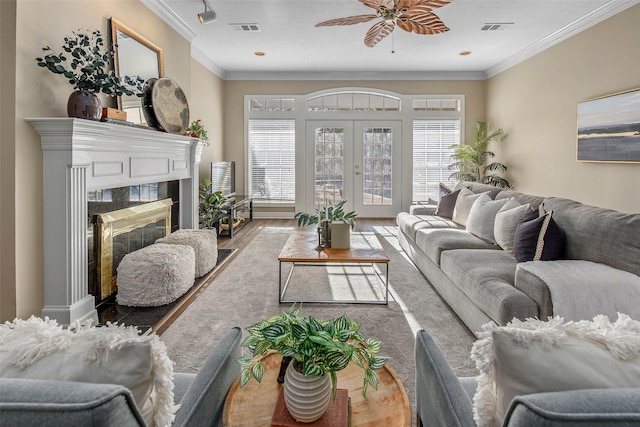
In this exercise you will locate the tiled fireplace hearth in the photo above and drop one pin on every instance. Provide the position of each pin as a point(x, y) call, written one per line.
point(81, 156)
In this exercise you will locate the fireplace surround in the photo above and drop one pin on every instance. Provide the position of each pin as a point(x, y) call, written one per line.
point(80, 156)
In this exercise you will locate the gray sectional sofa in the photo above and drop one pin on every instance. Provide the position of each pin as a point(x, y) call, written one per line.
point(483, 283)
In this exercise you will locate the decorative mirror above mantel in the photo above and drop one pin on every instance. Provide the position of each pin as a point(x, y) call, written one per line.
point(135, 55)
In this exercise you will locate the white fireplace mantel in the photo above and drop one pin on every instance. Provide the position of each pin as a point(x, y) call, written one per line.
point(83, 155)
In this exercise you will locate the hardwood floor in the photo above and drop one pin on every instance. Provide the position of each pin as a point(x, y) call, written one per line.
point(247, 232)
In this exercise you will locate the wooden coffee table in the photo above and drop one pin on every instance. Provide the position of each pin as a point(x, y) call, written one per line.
point(299, 250)
point(253, 405)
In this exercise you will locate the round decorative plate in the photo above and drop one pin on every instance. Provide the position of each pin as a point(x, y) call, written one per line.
point(170, 106)
point(147, 103)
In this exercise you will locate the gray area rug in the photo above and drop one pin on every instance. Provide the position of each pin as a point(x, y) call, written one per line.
point(247, 292)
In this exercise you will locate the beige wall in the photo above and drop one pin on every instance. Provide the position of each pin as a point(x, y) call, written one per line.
point(208, 106)
point(535, 102)
point(44, 94)
point(7, 158)
point(234, 92)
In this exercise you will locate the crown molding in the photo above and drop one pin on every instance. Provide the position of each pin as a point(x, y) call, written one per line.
point(355, 75)
point(596, 16)
point(206, 61)
point(160, 8)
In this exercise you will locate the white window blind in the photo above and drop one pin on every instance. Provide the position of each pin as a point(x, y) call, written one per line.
point(271, 160)
point(432, 141)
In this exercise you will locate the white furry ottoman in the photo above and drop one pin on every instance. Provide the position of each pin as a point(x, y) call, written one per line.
point(155, 275)
point(204, 243)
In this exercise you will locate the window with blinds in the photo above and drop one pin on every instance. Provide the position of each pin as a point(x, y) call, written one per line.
point(271, 160)
point(432, 141)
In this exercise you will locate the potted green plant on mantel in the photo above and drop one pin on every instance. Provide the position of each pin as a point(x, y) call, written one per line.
point(317, 350)
point(470, 160)
point(324, 216)
point(85, 62)
point(196, 130)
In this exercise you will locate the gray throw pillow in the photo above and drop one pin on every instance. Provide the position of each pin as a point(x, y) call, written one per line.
point(465, 200)
point(446, 204)
point(482, 217)
point(507, 219)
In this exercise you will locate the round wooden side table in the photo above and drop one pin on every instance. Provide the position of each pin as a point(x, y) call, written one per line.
point(253, 405)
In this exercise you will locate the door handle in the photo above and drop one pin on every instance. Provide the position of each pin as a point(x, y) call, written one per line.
point(358, 173)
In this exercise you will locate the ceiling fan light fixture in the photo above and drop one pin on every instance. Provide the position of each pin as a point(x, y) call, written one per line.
point(209, 15)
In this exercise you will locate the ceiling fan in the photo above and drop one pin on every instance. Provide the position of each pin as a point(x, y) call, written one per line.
point(410, 15)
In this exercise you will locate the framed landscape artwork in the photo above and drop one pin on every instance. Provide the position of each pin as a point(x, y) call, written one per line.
point(609, 128)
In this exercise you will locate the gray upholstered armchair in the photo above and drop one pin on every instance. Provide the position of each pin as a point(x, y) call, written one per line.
point(442, 399)
point(55, 403)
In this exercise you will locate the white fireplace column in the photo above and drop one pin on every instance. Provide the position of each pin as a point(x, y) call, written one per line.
point(83, 155)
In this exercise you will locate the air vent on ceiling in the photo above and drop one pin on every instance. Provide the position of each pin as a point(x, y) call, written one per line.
point(495, 26)
point(246, 27)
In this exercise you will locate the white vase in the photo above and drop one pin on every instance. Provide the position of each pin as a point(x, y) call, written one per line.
point(307, 396)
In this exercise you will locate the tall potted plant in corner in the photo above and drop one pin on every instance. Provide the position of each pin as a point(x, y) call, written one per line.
point(471, 160)
point(85, 62)
point(318, 349)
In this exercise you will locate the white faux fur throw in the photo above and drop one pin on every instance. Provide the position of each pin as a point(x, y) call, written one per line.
point(27, 341)
point(620, 338)
point(583, 289)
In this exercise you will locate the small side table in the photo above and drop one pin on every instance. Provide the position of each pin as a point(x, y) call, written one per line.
point(238, 206)
point(253, 405)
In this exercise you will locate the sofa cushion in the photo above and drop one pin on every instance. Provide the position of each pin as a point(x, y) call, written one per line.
point(433, 241)
point(598, 235)
point(507, 220)
point(464, 202)
point(478, 187)
point(410, 224)
point(482, 217)
point(523, 198)
point(539, 239)
point(486, 277)
point(558, 356)
point(113, 354)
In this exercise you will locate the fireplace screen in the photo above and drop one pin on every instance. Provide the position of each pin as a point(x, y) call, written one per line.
point(127, 230)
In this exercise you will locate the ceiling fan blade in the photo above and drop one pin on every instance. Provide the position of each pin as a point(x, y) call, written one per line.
point(377, 33)
point(376, 4)
point(347, 21)
point(422, 23)
point(437, 3)
point(407, 4)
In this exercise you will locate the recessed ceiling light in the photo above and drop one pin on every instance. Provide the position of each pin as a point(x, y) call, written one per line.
point(465, 52)
point(258, 53)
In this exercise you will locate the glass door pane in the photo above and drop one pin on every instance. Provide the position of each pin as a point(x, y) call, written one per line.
point(329, 165)
point(377, 153)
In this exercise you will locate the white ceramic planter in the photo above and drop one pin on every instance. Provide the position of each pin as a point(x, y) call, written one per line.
point(307, 397)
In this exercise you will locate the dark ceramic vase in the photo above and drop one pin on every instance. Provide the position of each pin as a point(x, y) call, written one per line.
point(84, 105)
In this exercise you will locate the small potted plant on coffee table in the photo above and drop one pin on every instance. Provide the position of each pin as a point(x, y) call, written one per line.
point(324, 216)
point(318, 349)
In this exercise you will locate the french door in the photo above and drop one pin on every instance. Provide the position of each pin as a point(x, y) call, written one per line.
point(357, 161)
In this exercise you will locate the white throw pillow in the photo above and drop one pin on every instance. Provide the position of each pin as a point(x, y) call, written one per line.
point(534, 356)
point(482, 217)
point(113, 354)
point(507, 220)
point(465, 200)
